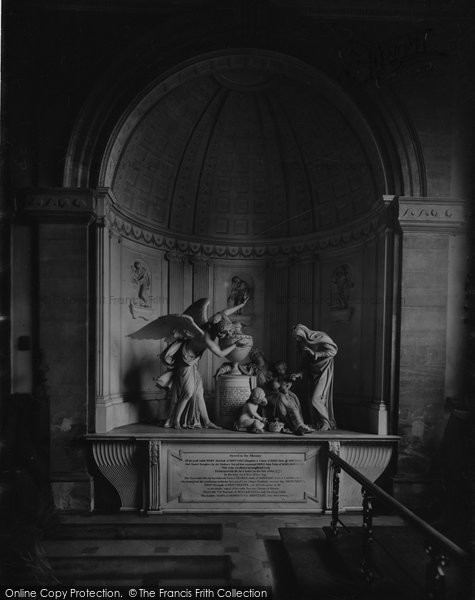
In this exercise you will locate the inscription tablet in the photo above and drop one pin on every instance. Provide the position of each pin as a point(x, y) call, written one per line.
point(242, 477)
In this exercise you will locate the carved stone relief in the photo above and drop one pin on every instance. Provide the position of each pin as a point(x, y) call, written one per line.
point(141, 278)
point(340, 288)
point(239, 292)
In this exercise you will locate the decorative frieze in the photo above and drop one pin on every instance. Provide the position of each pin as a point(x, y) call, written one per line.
point(292, 247)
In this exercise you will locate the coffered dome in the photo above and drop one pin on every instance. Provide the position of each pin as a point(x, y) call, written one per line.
point(244, 148)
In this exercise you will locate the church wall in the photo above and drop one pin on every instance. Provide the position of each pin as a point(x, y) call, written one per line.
point(22, 309)
point(431, 339)
point(433, 121)
point(62, 344)
point(423, 328)
point(435, 259)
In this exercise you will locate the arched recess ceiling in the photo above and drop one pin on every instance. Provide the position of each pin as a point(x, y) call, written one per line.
point(244, 145)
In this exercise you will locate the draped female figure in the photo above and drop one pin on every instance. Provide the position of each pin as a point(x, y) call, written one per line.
point(319, 351)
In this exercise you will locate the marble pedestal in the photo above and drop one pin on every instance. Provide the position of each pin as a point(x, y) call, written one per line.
point(167, 471)
point(232, 391)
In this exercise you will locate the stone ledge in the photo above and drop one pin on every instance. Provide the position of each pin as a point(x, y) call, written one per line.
point(145, 431)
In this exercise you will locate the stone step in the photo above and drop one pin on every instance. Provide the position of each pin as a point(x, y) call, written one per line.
point(399, 556)
point(317, 571)
point(227, 583)
point(396, 550)
point(138, 531)
point(100, 547)
point(330, 568)
point(390, 578)
point(77, 569)
point(149, 582)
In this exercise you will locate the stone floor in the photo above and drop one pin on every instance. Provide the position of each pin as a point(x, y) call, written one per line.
point(251, 541)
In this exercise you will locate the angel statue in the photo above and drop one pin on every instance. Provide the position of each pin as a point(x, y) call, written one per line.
point(189, 334)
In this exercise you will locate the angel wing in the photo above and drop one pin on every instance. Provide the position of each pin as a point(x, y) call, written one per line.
point(169, 326)
point(199, 311)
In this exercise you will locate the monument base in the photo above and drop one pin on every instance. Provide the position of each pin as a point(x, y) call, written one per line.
point(164, 470)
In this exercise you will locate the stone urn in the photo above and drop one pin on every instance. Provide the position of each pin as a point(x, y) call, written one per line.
point(241, 352)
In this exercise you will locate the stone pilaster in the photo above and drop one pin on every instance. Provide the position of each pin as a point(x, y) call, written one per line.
point(60, 221)
point(153, 488)
point(5, 276)
point(382, 413)
point(176, 279)
point(432, 339)
point(102, 316)
point(202, 278)
point(277, 305)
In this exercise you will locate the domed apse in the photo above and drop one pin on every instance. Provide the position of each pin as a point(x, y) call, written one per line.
point(266, 169)
point(245, 153)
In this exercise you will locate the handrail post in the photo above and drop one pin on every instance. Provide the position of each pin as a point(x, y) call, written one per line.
point(366, 564)
point(435, 573)
point(335, 499)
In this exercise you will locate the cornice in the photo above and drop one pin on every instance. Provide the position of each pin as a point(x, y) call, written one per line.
point(101, 205)
point(351, 235)
point(432, 214)
point(56, 202)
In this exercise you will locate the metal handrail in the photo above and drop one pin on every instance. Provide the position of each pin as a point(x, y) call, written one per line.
point(434, 536)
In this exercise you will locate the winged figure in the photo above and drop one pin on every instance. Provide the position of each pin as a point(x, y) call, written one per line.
point(189, 335)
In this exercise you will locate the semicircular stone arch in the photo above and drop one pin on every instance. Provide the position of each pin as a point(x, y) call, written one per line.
point(244, 145)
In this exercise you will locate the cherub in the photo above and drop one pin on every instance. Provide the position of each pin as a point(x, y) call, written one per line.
point(261, 368)
point(280, 373)
point(250, 420)
point(190, 334)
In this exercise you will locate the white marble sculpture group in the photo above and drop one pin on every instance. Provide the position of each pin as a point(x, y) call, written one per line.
point(190, 334)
